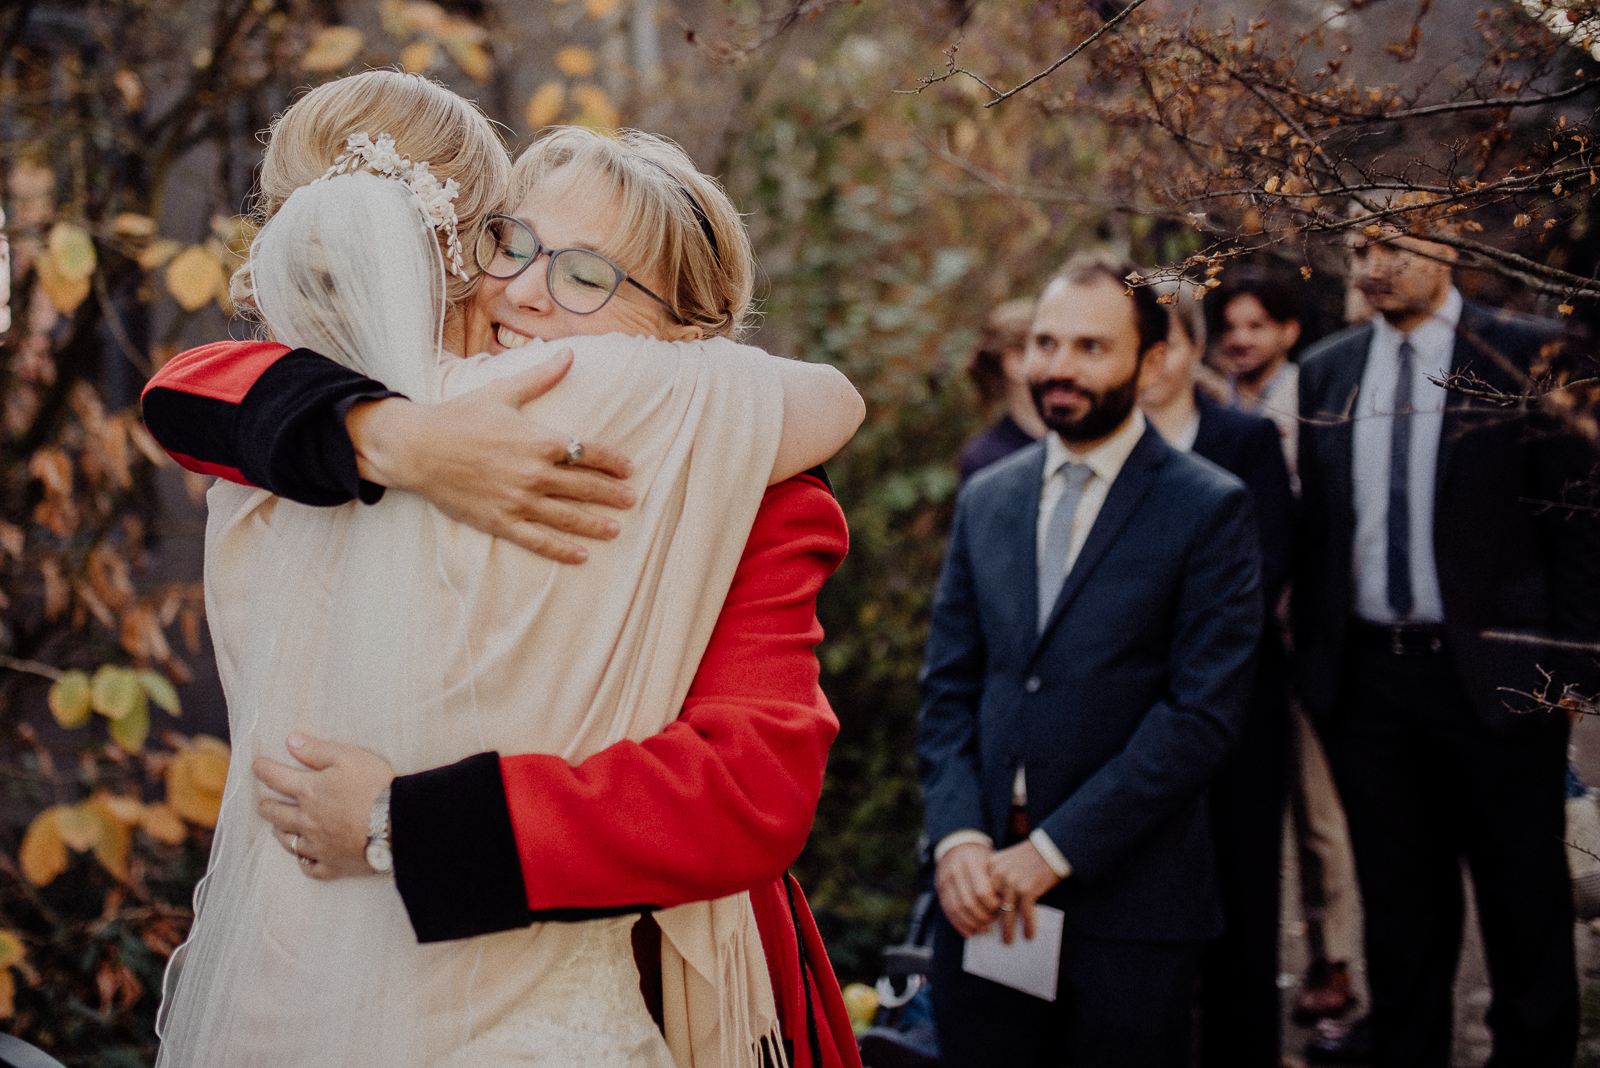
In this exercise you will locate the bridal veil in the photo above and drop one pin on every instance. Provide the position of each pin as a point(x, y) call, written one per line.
point(391, 627)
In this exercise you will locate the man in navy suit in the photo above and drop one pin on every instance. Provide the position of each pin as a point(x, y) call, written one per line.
point(1089, 663)
point(1432, 520)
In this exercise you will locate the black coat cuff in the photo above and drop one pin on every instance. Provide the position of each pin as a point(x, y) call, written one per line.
point(455, 853)
point(290, 435)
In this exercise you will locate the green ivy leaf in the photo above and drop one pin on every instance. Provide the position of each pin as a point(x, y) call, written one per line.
point(161, 691)
point(116, 693)
point(69, 699)
point(131, 730)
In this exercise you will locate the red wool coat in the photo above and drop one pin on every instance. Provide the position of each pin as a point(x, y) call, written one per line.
point(720, 801)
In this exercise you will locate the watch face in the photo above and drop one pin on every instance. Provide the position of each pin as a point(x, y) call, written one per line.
point(379, 857)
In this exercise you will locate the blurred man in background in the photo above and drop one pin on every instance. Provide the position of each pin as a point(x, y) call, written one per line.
point(1427, 526)
point(996, 368)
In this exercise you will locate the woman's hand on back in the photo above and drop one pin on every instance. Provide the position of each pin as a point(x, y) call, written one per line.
point(325, 819)
point(479, 460)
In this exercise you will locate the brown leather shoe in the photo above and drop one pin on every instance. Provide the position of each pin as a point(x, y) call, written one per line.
point(1325, 994)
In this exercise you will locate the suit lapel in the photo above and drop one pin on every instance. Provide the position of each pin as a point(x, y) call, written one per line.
point(1469, 349)
point(1132, 484)
point(1338, 406)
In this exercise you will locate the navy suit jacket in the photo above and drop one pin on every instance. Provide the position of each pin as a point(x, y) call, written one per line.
point(1505, 561)
point(1123, 708)
point(1249, 446)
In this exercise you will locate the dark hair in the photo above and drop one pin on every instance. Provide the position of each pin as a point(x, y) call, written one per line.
point(1149, 314)
point(1005, 329)
point(1278, 298)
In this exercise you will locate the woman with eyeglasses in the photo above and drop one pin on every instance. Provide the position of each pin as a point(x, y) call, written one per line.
point(486, 844)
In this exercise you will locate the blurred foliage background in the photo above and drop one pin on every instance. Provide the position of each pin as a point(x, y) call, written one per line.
point(890, 212)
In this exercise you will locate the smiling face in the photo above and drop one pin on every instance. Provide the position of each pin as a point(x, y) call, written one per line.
point(1083, 359)
point(566, 210)
point(1253, 343)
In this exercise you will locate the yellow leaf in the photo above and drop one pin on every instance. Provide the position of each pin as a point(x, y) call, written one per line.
point(1564, 309)
point(211, 763)
point(12, 952)
point(163, 824)
point(8, 995)
point(393, 15)
point(43, 854)
point(157, 253)
point(69, 699)
point(599, 9)
point(594, 107)
point(161, 691)
point(470, 56)
point(116, 693)
point(79, 826)
point(418, 56)
point(195, 779)
point(63, 292)
point(235, 232)
point(426, 17)
point(131, 730)
point(1371, 230)
point(72, 249)
point(127, 810)
point(860, 1003)
point(133, 225)
point(1272, 184)
point(111, 847)
point(333, 49)
point(194, 277)
point(544, 107)
point(575, 61)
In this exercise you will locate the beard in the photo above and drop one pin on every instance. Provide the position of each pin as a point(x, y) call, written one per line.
point(1105, 413)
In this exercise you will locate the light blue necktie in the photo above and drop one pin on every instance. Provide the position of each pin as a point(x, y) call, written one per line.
point(1058, 538)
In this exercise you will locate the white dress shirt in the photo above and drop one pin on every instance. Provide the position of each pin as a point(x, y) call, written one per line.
point(1433, 344)
point(1105, 462)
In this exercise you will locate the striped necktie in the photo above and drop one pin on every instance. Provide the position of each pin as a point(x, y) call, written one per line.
point(1058, 538)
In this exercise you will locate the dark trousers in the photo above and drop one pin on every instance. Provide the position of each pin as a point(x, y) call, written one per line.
point(1240, 1015)
point(1425, 784)
point(1118, 1005)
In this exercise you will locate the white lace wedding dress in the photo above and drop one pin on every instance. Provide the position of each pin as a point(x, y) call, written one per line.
point(584, 1013)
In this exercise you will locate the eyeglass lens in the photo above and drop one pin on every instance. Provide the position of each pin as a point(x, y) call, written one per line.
point(580, 281)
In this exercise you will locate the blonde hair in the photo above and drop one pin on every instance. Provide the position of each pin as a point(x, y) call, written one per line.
point(664, 208)
point(427, 122)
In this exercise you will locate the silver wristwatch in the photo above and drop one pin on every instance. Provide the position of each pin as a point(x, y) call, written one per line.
point(379, 856)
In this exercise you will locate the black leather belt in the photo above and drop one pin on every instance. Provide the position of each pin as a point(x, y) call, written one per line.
point(1401, 639)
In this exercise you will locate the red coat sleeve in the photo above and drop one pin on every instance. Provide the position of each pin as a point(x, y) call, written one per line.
point(263, 415)
point(191, 403)
point(723, 799)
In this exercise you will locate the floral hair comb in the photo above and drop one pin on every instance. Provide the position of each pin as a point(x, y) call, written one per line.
point(382, 159)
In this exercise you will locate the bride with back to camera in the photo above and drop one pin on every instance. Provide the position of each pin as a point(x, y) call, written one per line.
point(393, 628)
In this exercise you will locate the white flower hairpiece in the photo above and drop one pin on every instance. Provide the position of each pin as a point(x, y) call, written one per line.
point(438, 201)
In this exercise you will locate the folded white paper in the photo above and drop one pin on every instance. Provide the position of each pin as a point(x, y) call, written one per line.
point(1028, 965)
